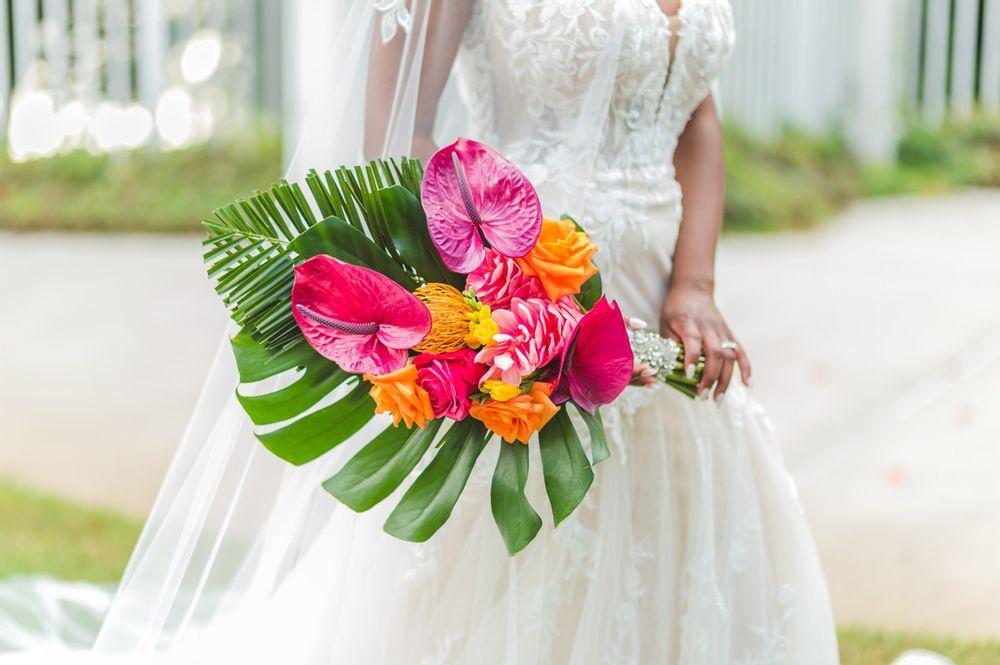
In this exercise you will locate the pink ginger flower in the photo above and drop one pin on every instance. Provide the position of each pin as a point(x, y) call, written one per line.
point(533, 332)
point(499, 279)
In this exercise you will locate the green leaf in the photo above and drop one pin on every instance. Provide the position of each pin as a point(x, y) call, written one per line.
point(590, 292)
point(517, 520)
point(598, 439)
point(378, 469)
point(319, 376)
point(565, 467)
point(315, 383)
point(248, 256)
point(337, 238)
point(407, 224)
point(256, 363)
point(429, 501)
point(319, 432)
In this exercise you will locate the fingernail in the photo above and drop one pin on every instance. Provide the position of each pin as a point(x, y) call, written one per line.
point(703, 395)
point(649, 371)
point(637, 324)
point(689, 371)
point(719, 398)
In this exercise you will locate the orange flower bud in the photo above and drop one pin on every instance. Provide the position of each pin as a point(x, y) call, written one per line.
point(561, 259)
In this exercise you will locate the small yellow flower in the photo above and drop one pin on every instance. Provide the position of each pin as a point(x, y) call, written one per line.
point(482, 328)
point(501, 391)
point(481, 334)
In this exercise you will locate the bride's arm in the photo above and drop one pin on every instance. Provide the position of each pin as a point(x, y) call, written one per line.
point(689, 313)
point(446, 21)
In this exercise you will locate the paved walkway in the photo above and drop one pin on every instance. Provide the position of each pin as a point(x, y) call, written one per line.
point(876, 343)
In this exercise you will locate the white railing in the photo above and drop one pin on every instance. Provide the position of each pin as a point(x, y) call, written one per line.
point(859, 66)
point(113, 74)
point(117, 73)
point(958, 58)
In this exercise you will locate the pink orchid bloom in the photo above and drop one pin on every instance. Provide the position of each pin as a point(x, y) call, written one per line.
point(470, 192)
point(498, 280)
point(597, 364)
point(533, 332)
point(356, 317)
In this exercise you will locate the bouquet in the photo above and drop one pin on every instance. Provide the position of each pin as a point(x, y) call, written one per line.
point(443, 298)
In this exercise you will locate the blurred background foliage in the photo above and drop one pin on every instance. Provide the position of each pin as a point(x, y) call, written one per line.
point(792, 183)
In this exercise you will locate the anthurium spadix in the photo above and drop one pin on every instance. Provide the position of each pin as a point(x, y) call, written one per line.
point(356, 317)
point(471, 193)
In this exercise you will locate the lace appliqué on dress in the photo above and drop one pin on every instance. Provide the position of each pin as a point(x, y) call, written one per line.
point(394, 15)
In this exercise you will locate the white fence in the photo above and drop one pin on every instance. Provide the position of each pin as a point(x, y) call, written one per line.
point(112, 74)
point(859, 66)
point(119, 73)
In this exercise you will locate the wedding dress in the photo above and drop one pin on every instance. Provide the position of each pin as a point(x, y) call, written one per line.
point(691, 548)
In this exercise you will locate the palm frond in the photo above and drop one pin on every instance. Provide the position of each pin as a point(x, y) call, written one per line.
point(248, 253)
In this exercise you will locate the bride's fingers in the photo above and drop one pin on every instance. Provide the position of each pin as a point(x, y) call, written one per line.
point(690, 337)
point(744, 362)
point(726, 375)
point(713, 362)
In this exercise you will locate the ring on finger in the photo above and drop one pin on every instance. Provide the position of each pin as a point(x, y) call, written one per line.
point(729, 345)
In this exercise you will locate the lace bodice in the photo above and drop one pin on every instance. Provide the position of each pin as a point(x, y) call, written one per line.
point(590, 96)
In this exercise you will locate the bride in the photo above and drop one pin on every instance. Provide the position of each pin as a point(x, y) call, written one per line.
point(691, 548)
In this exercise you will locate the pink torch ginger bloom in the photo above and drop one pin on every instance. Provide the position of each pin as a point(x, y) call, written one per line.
point(469, 192)
point(356, 317)
point(499, 279)
point(532, 333)
point(597, 363)
point(449, 379)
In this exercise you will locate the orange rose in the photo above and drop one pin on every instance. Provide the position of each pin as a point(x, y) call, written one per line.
point(560, 258)
point(519, 417)
point(397, 393)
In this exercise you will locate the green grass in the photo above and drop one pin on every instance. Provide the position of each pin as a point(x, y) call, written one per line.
point(864, 646)
point(793, 183)
point(42, 534)
point(798, 181)
point(144, 191)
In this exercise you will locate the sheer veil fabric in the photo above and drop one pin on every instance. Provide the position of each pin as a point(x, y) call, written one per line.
point(691, 548)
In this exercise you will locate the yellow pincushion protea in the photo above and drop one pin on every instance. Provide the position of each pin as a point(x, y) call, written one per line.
point(450, 310)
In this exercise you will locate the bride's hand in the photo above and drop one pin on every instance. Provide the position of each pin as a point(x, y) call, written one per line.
point(690, 316)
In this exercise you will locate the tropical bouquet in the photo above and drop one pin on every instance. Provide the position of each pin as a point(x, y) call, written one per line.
point(443, 298)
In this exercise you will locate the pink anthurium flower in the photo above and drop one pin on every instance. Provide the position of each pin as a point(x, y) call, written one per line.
point(597, 364)
point(470, 192)
point(356, 317)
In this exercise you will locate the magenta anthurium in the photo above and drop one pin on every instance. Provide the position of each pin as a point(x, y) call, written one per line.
point(356, 317)
point(471, 192)
point(597, 364)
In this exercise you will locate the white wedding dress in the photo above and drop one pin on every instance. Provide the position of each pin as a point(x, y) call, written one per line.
point(691, 548)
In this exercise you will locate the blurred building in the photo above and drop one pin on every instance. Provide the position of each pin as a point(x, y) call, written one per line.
point(119, 74)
